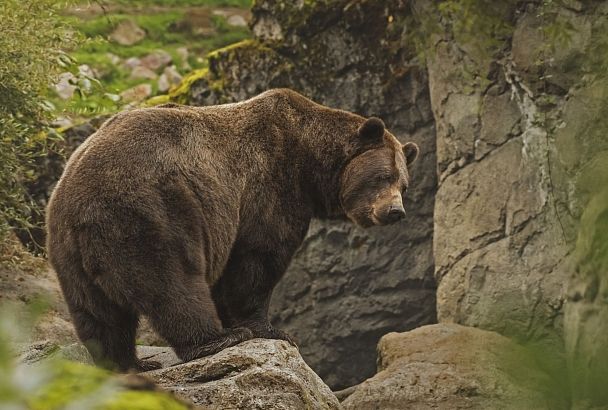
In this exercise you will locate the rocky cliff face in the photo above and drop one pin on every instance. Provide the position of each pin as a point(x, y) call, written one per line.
point(520, 139)
point(499, 248)
point(504, 207)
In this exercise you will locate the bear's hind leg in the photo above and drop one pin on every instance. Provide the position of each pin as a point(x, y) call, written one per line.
point(108, 331)
point(185, 316)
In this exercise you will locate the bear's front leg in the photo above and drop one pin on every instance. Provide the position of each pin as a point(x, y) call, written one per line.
point(242, 294)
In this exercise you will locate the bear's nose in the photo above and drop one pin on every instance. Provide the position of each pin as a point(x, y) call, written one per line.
point(395, 213)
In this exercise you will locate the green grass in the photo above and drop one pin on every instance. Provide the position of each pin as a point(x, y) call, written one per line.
point(159, 35)
point(175, 3)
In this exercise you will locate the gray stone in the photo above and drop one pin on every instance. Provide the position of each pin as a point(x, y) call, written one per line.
point(257, 374)
point(132, 62)
point(169, 78)
point(136, 94)
point(456, 106)
point(237, 21)
point(582, 147)
point(141, 72)
point(183, 54)
point(127, 33)
point(66, 86)
point(62, 122)
point(87, 71)
point(156, 60)
point(454, 367)
point(114, 59)
point(491, 223)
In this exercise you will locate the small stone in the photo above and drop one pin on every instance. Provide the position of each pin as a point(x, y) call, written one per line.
point(183, 54)
point(220, 12)
point(127, 33)
point(169, 78)
point(204, 31)
point(138, 93)
point(114, 59)
point(237, 21)
point(65, 86)
point(61, 122)
point(87, 71)
point(157, 59)
point(163, 83)
point(131, 63)
point(141, 72)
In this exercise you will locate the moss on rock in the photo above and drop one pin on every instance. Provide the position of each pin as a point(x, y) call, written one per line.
point(180, 93)
point(73, 383)
point(157, 100)
point(247, 65)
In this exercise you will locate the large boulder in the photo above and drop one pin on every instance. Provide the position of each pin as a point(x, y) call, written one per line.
point(257, 374)
point(449, 366)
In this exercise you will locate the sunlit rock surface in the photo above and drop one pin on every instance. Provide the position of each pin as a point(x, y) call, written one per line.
point(448, 366)
point(257, 374)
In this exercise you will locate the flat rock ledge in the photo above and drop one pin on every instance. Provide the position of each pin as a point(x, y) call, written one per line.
point(257, 374)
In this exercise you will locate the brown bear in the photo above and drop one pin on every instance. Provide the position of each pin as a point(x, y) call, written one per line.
point(190, 215)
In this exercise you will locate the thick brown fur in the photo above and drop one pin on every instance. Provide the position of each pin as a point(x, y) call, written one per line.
point(190, 215)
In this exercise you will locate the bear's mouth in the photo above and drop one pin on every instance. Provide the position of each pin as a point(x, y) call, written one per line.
point(376, 221)
point(363, 218)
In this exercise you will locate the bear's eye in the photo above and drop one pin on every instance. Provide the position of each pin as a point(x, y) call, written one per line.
point(385, 177)
point(404, 191)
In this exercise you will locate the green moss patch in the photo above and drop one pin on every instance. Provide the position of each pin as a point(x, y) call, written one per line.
point(74, 384)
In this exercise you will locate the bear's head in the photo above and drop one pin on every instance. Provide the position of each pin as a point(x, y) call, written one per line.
point(375, 180)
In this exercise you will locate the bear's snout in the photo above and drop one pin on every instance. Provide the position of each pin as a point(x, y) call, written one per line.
point(395, 213)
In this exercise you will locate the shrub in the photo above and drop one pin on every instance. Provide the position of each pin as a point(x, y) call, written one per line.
point(32, 40)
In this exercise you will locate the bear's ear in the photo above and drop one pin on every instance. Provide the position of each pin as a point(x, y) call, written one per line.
point(410, 150)
point(372, 130)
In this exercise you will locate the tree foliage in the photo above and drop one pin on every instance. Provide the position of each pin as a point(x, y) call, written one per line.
point(32, 44)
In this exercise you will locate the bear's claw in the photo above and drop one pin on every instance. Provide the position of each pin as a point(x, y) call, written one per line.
point(147, 365)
